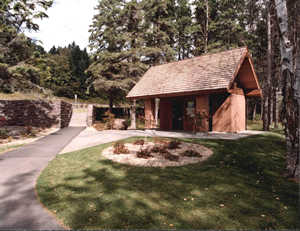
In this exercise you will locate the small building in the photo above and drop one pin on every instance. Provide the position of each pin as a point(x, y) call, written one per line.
point(205, 93)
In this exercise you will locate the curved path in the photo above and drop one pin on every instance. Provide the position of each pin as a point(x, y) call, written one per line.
point(19, 170)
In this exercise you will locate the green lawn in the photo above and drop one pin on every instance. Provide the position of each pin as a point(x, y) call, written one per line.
point(258, 126)
point(8, 147)
point(239, 187)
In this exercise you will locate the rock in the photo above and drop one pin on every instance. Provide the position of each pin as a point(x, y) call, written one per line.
point(120, 124)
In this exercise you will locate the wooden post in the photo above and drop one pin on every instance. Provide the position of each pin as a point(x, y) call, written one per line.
point(133, 115)
point(156, 111)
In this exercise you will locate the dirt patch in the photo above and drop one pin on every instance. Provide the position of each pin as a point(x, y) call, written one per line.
point(158, 159)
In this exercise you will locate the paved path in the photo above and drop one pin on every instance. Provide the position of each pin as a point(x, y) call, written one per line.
point(19, 169)
point(91, 137)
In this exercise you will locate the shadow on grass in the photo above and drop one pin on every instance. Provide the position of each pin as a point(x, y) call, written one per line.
point(239, 187)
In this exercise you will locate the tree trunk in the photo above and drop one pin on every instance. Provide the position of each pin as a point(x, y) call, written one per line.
point(254, 111)
point(291, 93)
point(275, 108)
point(111, 104)
point(265, 111)
point(206, 27)
point(269, 71)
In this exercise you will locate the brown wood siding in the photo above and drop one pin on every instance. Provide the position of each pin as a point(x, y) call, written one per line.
point(149, 113)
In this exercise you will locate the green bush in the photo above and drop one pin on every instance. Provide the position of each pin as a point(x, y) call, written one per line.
point(4, 134)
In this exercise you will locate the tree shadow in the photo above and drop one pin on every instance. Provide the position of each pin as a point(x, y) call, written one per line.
point(241, 175)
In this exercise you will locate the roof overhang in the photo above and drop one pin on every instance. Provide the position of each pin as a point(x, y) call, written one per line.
point(178, 94)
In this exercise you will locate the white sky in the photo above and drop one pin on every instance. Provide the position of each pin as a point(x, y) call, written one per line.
point(68, 21)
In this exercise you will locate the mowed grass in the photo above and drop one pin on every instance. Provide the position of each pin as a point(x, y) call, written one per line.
point(239, 187)
point(8, 147)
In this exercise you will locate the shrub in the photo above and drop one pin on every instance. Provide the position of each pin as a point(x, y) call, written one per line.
point(4, 134)
point(29, 131)
point(191, 153)
point(167, 155)
point(156, 149)
point(139, 142)
point(144, 153)
point(119, 148)
point(109, 120)
point(174, 144)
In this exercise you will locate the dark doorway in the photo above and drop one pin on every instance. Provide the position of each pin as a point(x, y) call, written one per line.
point(177, 114)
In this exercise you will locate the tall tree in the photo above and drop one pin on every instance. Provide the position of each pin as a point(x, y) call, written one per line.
point(160, 30)
point(291, 83)
point(115, 40)
point(183, 24)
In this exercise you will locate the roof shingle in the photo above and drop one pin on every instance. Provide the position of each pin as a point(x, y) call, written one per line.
point(206, 72)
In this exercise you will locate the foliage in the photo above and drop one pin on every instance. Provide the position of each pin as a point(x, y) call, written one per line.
point(139, 142)
point(120, 148)
point(144, 153)
point(167, 155)
point(191, 153)
point(173, 144)
point(4, 134)
point(28, 131)
point(109, 120)
point(115, 35)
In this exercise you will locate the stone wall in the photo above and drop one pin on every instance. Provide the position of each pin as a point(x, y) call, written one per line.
point(36, 113)
point(66, 112)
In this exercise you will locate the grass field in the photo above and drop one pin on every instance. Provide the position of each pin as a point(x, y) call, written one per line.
point(239, 187)
point(9, 147)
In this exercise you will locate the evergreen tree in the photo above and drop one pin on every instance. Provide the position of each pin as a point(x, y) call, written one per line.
point(183, 24)
point(117, 59)
point(160, 31)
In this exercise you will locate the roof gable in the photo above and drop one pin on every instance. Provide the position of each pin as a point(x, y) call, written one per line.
point(202, 73)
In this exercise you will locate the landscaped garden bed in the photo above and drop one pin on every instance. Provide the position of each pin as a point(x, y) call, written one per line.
point(157, 153)
point(241, 186)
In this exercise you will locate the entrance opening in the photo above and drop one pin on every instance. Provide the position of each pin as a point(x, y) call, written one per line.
point(177, 114)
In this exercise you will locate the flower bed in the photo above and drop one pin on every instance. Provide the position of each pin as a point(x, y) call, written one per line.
point(150, 154)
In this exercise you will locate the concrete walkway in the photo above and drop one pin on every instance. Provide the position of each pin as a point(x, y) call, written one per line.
point(91, 137)
point(19, 170)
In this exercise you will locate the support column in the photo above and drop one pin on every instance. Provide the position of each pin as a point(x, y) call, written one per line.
point(202, 109)
point(149, 113)
point(156, 111)
point(133, 115)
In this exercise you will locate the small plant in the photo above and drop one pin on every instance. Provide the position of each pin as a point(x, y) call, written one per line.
point(156, 149)
point(119, 148)
point(29, 131)
point(144, 153)
point(174, 144)
point(191, 153)
point(109, 120)
point(139, 142)
point(4, 134)
point(168, 156)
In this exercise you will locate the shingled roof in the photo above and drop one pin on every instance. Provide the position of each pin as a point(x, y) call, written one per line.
point(206, 72)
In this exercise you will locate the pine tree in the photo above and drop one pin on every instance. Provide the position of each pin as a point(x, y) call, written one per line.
point(115, 38)
point(183, 25)
point(160, 31)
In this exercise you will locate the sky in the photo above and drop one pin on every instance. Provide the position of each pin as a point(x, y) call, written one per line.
point(68, 21)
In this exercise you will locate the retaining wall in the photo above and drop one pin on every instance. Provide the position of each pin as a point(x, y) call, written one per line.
point(36, 113)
